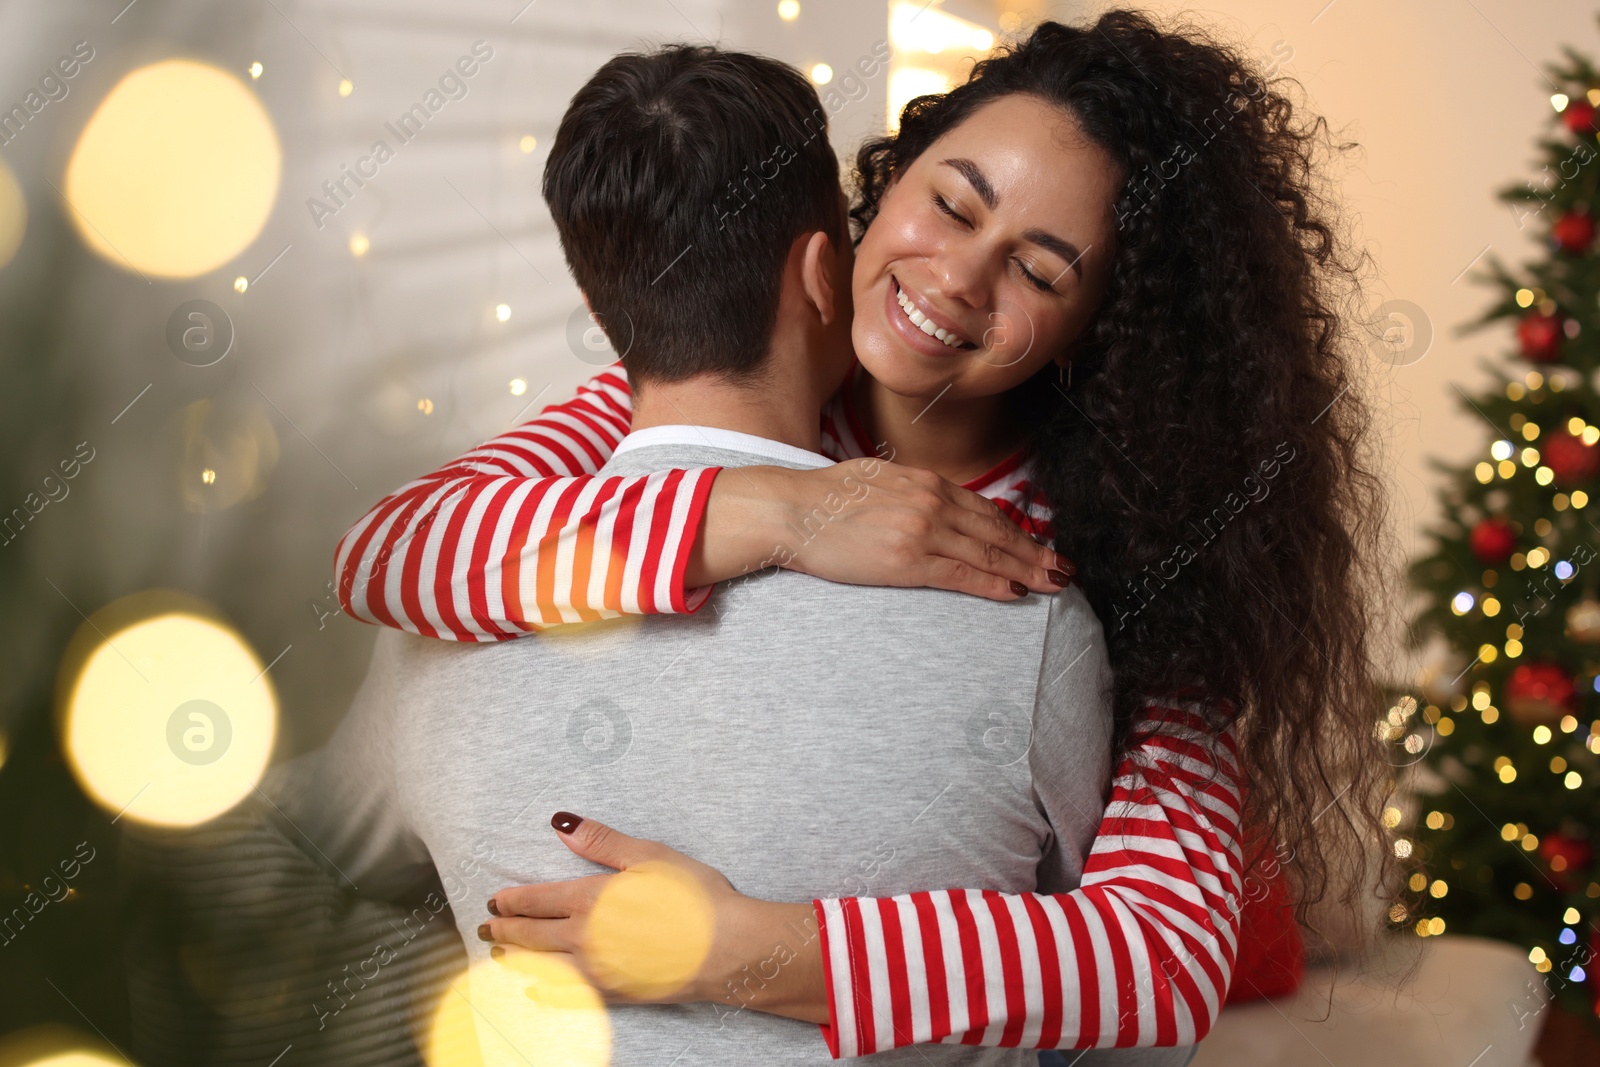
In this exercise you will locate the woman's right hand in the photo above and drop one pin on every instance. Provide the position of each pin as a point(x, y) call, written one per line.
point(869, 522)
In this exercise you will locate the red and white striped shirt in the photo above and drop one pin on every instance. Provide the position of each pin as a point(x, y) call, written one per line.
point(520, 534)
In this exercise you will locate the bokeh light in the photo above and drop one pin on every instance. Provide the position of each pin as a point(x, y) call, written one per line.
point(170, 718)
point(176, 171)
point(228, 451)
point(528, 1007)
point(55, 1046)
point(13, 214)
point(649, 931)
point(908, 83)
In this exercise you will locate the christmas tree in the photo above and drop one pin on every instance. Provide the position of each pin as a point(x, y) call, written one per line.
point(1506, 740)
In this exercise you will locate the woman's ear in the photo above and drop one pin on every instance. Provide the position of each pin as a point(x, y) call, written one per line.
point(819, 264)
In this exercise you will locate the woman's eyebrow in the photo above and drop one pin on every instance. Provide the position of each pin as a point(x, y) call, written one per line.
point(1048, 241)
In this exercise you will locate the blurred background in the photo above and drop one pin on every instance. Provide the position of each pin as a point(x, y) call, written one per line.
point(230, 322)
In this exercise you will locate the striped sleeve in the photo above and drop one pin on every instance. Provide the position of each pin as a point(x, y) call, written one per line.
point(520, 533)
point(1140, 954)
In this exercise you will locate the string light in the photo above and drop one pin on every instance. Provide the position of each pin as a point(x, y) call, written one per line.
point(789, 10)
point(1541, 735)
point(346, 87)
point(519, 386)
point(1502, 449)
point(255, 69)
point(502, 312)
point(528, 143)
point(1462, 602)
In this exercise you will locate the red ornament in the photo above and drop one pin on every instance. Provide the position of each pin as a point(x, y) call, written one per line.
point(1493, 540)
point(1567, 859)
point(1538, 693)
point(1540, 336)
point(1574, 232)
point(1579, 117)
point(1572, 461)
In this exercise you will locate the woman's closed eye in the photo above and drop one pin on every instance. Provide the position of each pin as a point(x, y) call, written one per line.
point(944, 205)
point(1032, 279)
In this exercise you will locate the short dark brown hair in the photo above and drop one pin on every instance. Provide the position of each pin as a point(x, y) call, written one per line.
point(678, 180)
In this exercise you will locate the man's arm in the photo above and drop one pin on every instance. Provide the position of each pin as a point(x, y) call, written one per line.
point(341, 803)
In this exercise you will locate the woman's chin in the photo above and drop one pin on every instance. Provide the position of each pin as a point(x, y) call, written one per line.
point(899, 369)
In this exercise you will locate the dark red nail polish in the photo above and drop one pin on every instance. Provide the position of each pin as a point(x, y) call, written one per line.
point(565, 821)
point(1061, 578)
point(484, 934)
point(496, 953)
point(494, 909)
point(1019, 589)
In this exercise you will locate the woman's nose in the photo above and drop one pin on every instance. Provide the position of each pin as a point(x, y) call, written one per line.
point(963, 274)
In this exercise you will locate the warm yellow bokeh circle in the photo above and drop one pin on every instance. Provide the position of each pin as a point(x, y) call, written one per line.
point(649, 931)
point(13, 214)
point(51, 1045)
point(176, 171)
point(530, 1007)
point(170, 718)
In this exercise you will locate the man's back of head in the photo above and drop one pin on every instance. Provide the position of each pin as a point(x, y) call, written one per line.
point(678, 180)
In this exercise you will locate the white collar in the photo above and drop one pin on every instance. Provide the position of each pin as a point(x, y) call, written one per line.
point(716, 437)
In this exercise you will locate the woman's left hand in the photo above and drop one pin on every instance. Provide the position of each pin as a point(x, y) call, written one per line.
point(665, 929)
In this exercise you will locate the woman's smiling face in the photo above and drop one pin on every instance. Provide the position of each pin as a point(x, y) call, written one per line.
point(998, 239)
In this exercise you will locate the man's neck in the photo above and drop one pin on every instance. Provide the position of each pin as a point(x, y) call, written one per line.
point(775, 405)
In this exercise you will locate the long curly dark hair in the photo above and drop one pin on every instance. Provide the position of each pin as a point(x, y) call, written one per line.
point(1209, 465)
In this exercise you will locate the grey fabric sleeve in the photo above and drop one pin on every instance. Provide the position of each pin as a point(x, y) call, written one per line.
point(1067, 753)
point(341, 803)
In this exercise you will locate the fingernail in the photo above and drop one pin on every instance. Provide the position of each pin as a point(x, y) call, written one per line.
point(565, 821)
point(1061, 578)
point(494, 909)
point(496, 953)
point(484, 934)
point(1019, 589)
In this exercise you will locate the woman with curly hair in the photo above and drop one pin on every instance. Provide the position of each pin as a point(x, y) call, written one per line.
point(1095, 285)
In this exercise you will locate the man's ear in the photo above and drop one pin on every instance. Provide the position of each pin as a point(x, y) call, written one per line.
point(819, 263)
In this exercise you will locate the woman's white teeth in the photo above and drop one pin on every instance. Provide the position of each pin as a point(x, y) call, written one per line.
point(923, 323)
